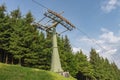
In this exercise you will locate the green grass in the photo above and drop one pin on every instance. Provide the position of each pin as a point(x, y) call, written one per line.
point(15, 72)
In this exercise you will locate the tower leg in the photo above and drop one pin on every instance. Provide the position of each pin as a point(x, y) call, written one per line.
point(55, 64)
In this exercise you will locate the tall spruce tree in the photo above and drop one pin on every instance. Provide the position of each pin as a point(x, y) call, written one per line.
point(84, 68)
point(19, 36)
point(45, 55)
point(66, 55)
point(31, 41)
point(94, 60)
point(44, 52)
point(5, 34)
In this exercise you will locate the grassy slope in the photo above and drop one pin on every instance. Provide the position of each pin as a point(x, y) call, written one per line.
point(14, 72)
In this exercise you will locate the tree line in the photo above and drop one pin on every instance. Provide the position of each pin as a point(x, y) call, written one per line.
point(23, 44)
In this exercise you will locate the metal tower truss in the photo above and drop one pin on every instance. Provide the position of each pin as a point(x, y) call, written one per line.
point(54, 20)
point(58, 18)
point(42, 27)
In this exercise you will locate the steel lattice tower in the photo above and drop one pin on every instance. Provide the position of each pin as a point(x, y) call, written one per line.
point(57, 19)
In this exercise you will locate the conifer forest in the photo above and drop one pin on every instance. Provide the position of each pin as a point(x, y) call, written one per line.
point(21, 43)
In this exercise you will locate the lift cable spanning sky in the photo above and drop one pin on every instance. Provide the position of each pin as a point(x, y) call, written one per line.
point(56, 19)
point(76, 27)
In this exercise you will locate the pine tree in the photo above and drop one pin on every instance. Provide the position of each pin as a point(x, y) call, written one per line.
point(95, 61)
point(43, 53)
point(66, 55)
point(5, 34)
point(83, 66)
point(115, 71)
point(17, 40)
point(31, 41)
point(47, 52)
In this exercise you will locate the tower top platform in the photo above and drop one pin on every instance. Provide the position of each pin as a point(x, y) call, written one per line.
point(60, 19)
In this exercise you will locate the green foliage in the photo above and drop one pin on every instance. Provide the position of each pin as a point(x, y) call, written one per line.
point(5, 34)
point(2, 10)
point(103, 70)
point(83, 65)
point(16, 14)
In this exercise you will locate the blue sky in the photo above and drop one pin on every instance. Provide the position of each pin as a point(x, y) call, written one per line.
point(99, 19)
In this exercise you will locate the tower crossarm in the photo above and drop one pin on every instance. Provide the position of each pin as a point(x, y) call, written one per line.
point(58, 18)
point(42, 27)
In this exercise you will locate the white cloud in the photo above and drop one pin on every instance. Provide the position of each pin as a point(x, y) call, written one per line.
point(110, 5)
point(117, 58)
point(86, 39)
point(119, 25)
point(112, 51)
point(104, 30)
point(75, 49)
point(109, 37)
point(119, 29)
